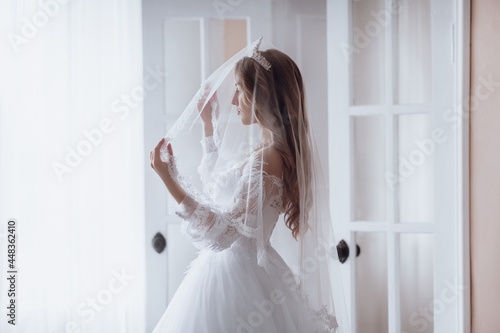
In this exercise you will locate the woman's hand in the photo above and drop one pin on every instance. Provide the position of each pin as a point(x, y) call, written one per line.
point(162, 169)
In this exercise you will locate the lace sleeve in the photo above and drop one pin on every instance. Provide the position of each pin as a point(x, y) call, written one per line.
point(210, 155)
point(216, 228)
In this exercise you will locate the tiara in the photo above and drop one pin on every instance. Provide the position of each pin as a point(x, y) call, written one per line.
point(257, 56)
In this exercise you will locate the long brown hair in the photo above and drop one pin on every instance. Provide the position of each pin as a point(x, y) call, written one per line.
point(278, 101)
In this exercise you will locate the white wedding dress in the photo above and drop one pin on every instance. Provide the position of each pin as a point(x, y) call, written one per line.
point(225, 289)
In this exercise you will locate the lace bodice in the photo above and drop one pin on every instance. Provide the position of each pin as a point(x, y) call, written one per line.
point(251, 212)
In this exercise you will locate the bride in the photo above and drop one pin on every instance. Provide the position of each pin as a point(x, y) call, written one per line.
point(252, 172)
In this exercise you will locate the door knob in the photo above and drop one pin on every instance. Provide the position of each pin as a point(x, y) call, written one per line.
point(343, 251)
point(159, 242)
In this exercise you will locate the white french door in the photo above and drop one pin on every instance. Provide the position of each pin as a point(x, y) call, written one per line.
point(396, 161)
point(188, 40)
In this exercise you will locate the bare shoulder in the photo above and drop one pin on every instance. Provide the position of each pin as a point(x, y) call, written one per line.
point(273, 164)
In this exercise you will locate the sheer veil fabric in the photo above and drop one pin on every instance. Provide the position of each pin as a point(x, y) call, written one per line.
point(232, 201)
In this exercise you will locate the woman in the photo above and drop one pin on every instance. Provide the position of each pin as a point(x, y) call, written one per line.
point(239, 283)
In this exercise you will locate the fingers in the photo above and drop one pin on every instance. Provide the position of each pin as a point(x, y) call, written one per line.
point(151, 159)
point(214, 97)
point(158, 145)
point(154, 155)
point(205, 94)
point(157, 149)
point(206, 89)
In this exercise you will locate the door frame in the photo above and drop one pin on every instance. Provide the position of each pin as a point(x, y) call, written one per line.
point(462, 89)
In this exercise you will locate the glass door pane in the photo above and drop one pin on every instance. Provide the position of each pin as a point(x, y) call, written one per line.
point(417, 143)
point(368, 161)
point(367, 47)
point(371, 283)
point(413, 52)
point(416, 254)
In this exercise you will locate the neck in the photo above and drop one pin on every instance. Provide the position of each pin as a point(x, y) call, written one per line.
point(267, 137)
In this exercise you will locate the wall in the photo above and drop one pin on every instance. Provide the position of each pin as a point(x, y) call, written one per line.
point(485, 165)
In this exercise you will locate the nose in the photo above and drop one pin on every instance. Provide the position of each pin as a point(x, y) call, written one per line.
point(235, 98)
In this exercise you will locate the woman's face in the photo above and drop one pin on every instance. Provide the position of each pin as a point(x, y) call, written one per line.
point(244, 110)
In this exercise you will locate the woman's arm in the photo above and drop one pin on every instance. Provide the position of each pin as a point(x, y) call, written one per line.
point(209, 226)
point(161, 168)
point(204, 225)
point(206, 112)
point(210, 151)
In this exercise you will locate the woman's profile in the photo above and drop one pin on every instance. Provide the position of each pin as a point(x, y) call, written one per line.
point(256, 164)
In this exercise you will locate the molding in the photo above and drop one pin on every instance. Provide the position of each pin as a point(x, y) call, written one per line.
point(462, 89)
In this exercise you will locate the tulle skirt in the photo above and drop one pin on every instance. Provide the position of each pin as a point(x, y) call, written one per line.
point(228, 292)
